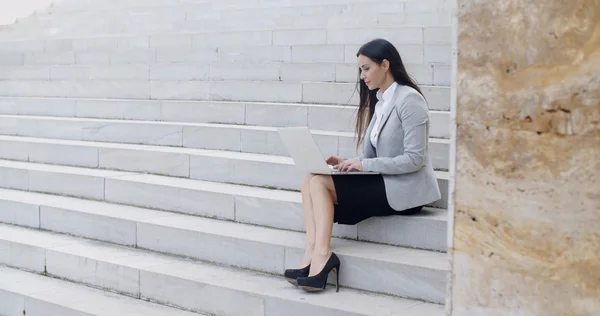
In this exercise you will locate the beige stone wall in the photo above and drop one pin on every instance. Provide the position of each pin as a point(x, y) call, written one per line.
point(527, 200)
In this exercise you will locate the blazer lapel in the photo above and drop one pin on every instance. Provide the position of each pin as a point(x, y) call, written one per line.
point(390, 109)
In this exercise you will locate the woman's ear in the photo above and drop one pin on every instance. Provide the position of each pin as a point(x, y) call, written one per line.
point(385, 64)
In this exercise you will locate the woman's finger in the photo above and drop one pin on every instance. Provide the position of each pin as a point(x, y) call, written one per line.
point(352, 166)
point(347, 166)
point(343, 165)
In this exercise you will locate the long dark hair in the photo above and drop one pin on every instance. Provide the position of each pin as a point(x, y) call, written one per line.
point(378, 50)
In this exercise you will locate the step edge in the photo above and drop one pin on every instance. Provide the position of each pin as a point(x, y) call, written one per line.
point(256, 231)
point(250, 103)
point(184, 261)
point(89, 292)
point(192, 33)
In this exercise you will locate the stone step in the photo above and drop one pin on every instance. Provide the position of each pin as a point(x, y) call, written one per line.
point(243, 204)
point(104, 6)
point(25, 293)
point(318, 117)
point(251, 91)
point(196, 12)
point(412, 273)
point(214, 71)
point(434, 42)
point(75, 6)
point(219, 166)
point(128, 51)
point(236, 138)
point(399, 35)
point(198, 18)
point(129, 25)
point(202, 10)
point(193, 285)
point(284, 30)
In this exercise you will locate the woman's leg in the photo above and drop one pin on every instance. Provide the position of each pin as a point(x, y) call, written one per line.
point(322, 192)
point(309, 221)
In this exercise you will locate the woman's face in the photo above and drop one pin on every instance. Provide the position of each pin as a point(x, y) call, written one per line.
point(371, 72)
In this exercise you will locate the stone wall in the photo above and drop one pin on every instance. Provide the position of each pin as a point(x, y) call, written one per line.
point(527, 195)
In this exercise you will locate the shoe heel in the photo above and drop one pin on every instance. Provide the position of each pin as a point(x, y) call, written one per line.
point(337, 277)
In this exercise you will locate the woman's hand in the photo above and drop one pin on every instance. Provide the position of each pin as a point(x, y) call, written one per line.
point(351, 164)
point(334, 161)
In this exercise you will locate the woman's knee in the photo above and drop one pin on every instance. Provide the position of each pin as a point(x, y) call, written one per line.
point(306, 182)
point(321, 183)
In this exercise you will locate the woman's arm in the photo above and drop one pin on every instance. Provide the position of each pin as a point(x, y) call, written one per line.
point(414, 117)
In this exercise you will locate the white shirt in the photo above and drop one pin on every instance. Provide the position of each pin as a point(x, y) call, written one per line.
point(385, 99)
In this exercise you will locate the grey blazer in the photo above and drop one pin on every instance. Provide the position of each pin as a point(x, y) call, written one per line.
point(402, 154)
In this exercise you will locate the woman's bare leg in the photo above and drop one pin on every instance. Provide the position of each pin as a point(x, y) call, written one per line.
point(322, 192)
point(309, 221)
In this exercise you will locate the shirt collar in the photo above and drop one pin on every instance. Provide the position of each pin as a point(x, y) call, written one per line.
point(387, 95)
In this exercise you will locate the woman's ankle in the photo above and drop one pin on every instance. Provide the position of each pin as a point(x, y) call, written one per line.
point(321, 253)
point(307, 258)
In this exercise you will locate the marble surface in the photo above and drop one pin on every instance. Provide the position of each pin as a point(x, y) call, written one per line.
point(527, 211)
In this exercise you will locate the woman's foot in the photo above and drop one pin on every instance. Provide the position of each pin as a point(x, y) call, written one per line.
point(292, 275)
point(318, 282)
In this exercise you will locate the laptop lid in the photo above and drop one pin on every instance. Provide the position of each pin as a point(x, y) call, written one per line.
point(303, 149)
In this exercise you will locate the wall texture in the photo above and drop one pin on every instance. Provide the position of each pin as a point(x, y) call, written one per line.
point(527, 196)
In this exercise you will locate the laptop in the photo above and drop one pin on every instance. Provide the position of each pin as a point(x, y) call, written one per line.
point(306, 154)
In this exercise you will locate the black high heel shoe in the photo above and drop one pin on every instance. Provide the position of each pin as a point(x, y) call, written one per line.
point(318, 282)
point(292, 275)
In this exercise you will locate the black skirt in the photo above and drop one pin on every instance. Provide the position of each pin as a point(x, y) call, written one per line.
point(361, 197)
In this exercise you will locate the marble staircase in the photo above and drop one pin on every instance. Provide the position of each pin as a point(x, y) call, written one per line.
point(141, 172)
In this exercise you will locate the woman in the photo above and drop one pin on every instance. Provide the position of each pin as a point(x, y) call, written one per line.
point(393, 127)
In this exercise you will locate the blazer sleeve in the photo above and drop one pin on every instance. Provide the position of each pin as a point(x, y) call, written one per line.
point(414, 117)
